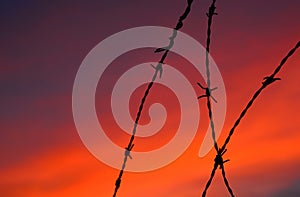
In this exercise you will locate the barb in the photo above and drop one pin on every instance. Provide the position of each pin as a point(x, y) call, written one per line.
point(158, 69)
point(267, 81)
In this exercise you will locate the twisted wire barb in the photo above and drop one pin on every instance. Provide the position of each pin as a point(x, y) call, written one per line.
point(158, 70)
point(219, 162)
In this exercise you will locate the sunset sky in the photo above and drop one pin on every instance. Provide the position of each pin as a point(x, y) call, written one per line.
point(42, 47)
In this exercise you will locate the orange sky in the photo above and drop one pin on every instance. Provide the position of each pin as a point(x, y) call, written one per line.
point(43, 46)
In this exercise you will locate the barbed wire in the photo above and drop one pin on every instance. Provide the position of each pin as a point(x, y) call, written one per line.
point(268, 80)
point(158, 70)
point(219, 157)
point(208, 89)
point(219, 161)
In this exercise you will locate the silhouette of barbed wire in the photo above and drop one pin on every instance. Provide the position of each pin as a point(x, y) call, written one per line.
point(158, 69)
point(219, 157)
point(219, 161)
point(267, 81)
point(208, 89)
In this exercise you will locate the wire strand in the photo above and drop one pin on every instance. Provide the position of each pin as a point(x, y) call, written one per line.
point(267, 81)
point(158, 70)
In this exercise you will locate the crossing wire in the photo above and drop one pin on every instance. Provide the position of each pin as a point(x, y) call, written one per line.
point(219, 161)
